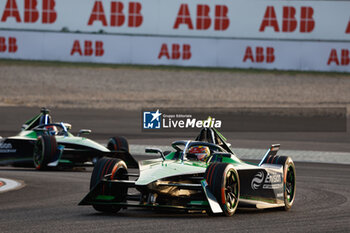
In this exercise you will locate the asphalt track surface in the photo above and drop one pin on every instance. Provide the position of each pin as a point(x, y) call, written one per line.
point(49, 200)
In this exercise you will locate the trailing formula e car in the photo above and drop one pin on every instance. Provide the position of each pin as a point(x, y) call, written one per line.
point(44, 144)
point(200, 175)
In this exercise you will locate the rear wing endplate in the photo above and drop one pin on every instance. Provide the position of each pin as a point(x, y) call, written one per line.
point(271, 151)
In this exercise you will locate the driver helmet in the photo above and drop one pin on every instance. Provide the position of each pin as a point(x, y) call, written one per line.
point(201, 152)
point(51, 129)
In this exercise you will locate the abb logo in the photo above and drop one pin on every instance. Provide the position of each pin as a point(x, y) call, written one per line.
point(117, 16)
point(10, 46)
point(88, 48)
point(260, 56)
point(344, 57)
point(175, 52)
point(289, 22)
point(31, 12)
point(203, 20)
point(347, 30)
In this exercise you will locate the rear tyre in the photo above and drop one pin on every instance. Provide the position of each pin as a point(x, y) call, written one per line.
point(45, 149)
point(289, 183)
point(118, 143)
point(289, 178)
point(118, 171)
point(223, 182)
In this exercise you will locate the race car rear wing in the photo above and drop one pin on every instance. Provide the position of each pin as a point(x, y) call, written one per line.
point(271, 151)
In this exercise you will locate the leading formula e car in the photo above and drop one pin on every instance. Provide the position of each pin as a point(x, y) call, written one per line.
point(200, 175)
point(44, 144)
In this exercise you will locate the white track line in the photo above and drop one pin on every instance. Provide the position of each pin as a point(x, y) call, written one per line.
point(9, 185)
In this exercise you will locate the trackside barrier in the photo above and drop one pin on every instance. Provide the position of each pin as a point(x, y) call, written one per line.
point(145, 50)
point(268, 34)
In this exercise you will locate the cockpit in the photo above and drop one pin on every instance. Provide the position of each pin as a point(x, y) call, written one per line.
point(43, 118)
point(196, 150)
point(43, 123)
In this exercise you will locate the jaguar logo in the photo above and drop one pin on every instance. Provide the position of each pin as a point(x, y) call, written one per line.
point(257, 180)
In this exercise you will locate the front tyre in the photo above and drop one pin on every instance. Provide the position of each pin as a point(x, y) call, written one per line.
point(118, 171)
point(223, 182)
point(45, 149)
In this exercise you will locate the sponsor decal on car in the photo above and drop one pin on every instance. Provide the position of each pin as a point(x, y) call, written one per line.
point(257, 180)
point(279, 195)
point(6, 148)
point(270, 181)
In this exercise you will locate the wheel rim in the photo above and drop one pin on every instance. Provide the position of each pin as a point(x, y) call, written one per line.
point(231, 190)
point(290, 184)
point(38, 155)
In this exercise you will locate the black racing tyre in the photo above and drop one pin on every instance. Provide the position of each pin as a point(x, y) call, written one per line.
point(45, 149)
point(118, 143)
point(289, 178)
point(289, 182)
point(223, 182)
point(118, 170)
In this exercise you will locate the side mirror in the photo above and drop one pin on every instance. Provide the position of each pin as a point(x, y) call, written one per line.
point(68, 126)
point(155, 151)
point(84, 131)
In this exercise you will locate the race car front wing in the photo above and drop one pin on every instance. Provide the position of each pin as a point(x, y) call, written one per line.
point(108, 192)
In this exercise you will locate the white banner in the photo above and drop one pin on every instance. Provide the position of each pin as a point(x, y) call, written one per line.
point(147, 50)
point(240, 19)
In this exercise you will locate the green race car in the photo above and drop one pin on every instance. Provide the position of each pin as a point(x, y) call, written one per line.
point(44, 144)
point(200, 175)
